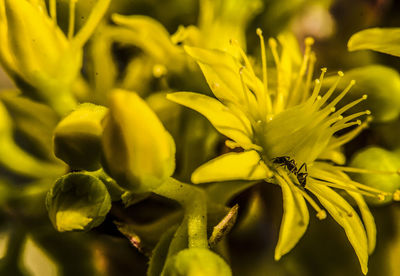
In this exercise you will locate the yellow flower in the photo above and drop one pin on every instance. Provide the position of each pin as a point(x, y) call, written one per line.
point(287, 130)
point(35, 51)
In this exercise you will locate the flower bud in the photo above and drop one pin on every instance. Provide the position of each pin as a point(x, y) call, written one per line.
point(378, 159)
point(77, 138)
point(77, 201)
point(35, 51)
point(196, 262)
point(138, 152)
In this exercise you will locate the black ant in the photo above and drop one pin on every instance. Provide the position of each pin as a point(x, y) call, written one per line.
point(290, 165)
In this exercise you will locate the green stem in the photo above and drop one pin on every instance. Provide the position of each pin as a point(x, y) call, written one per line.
point(193, 200)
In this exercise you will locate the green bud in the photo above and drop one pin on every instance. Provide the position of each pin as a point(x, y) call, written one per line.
point(196, 262)
point(138, 152)
point(77, 201)
point(382, 86)
point(77, 138)
point(381, 162)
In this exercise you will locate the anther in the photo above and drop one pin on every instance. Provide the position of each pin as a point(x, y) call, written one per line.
point(365, 96)
point(368, 112)
point(272, 43)
point(259, 32)
point(321, 215)
point(309, 41)
point(340, 73)
point(324, 69)
point(381, 197)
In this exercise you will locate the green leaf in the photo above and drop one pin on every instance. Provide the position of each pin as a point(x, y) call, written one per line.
point(384, 40)
point(221, 117)
point(139, 153)
point(294, 221)
point(77, 201)
point(346, 217)
point(232, 166)
point(378, 159)
point(77, 138)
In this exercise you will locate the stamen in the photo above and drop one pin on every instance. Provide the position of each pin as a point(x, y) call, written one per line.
point(53, 10)
point(274, 49)
point(321, 214)
point(315, 93)
point(349, 188)
point(243, 56)
point(267, 97)
point(260, 98)
point(359, 170)
point(341, 95)
point(244, 88)
point(350, 105)
point(71, 25)
point(329, 93)
point(309, 41)
point(332, 177)
point(353, 116)
point(348, 136)
point(343, 209)
point(341, 126)
point(310, 72)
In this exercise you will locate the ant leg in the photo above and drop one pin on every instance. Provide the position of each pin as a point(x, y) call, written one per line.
point(305, 167)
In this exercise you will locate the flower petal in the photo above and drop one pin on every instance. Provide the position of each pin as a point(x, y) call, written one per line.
point(368, 220)
point(219, 115)
point(232, 166)
point(351, 223)
point(294, 221)
point(221, 71)
point(384, 40)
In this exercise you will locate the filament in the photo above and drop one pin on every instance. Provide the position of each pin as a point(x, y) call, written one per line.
point(321, 214)
point(267, 97)
point(71, 25)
